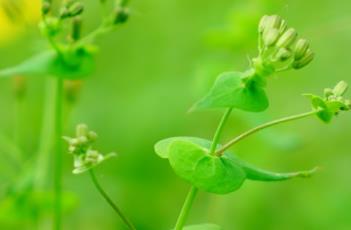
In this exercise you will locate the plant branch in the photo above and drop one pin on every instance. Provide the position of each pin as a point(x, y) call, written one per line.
point(109, 201)
point(261, 127)
point(219, 131)
point(186, 208)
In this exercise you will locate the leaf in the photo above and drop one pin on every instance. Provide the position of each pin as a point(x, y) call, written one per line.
point(210, 173)
point(206, 226)
point(162, 147)
point(231, 89)
point(254, 173)
point(77, 65)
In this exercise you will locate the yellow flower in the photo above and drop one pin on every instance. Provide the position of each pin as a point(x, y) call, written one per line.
point(16, 16)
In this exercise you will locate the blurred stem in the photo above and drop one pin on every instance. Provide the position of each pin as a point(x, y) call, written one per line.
point(263, 126)
point(58, 153)
point(219, 130)
point(45, 143)
point(184, 213)
point(109, 201)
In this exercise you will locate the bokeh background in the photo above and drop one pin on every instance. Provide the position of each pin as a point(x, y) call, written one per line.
point(148, 74)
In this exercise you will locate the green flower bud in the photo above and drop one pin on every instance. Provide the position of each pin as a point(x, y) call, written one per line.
point(274, 21)
point(262, 24)
point(82, 130)
point(340, 89)
point(287, 38)
point(76, 9)
point(301, 48)
point(328, 92)
point(92, 136)
point(45, 8)
point(298, 64)
point(76, 28)
point(270, 37)
point(283, 27)
point(121, 15)
point(283, 54)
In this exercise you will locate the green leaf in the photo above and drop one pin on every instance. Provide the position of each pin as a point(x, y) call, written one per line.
point(213, 174)
point(207, 226)
point(162, 147)
point(232, 89)
point(77, 64)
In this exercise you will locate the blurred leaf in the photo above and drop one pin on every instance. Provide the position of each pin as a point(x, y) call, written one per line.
point(231, 89)
point(77, 65)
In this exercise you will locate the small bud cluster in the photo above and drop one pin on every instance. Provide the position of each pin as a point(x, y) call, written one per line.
point(336, 94)
point(280, 48)
point(81, 147)
point(71, 9)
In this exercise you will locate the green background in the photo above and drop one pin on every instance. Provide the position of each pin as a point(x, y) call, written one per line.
point(148, 74)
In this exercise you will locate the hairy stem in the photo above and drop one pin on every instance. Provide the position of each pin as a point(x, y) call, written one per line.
point(184, 213)
point(263, 126)
point(109, 201)
point(58, 154)
point(219, 130)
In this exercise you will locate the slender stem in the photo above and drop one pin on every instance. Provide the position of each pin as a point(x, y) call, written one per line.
point(46, 133)
point(58, 154)
point(109, 201)
point(186, 208)
point(263, 126)
point(193, 190)
point(219, 131)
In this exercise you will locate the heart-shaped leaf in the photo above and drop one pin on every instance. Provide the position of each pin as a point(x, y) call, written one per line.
point(233, 89)
point(213, 174)
point(77, 64)
point(207, 226)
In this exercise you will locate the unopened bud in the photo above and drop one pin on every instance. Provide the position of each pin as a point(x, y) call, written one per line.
point(283, 54)
point(301, 48)
point(340, 89)
point(274, 21)
point(76, 28)
point(283, 27)
point(262, 24)
point(81, 130)
point(287, 38)
point(328, 92)
point(45, 8)
point(304, 61)
point(76, 9)
point(270, 37)
point(92, 136)
point(121, 15)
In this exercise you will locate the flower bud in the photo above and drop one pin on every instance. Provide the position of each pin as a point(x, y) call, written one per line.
point(283, 27)
point(283, 54)
point(76, 28)
point(298, 64)
point(92, 136)
point(273, 21)
point(301, 48)
point(340, 89)
point(45, 8)
point(262, 24)
point(121, 15)
point(287, 38)
point(328, 92)
point(76, 9)
point(81, 130)
point(270, 36)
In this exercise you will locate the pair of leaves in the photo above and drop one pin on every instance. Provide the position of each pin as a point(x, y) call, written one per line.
point(328, 109)
point(73, 64)
point(190, 159)
point(238, 90)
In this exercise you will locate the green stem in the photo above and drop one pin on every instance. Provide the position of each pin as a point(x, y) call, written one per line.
point(219, 131)
point(193, 191)
point(46, 134)
point(58, 153)
point(109, 201)
point(263, 126)
point(186, 208)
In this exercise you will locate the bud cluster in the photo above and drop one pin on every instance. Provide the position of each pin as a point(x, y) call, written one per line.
point(336, 94)
point(71, 9)
point(280, 48)
point(81, 147)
